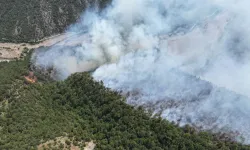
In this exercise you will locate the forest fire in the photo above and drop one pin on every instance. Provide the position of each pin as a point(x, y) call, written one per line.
point(197, 57)
point(31, 78)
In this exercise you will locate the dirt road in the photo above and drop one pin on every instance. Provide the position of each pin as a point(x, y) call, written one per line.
point(10, 51)
point(14, 50)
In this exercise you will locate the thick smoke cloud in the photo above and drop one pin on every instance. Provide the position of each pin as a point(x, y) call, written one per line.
point(188, 59)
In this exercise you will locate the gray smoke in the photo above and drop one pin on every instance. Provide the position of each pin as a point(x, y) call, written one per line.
point(188, 59)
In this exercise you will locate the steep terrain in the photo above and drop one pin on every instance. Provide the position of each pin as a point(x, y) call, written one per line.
point(82, 112)
point(79, 111)
point(187, 60)
point(32, 20)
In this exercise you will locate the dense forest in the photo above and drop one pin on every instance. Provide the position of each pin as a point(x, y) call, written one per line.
point(84, 110)
point(78, 110)
point(32, 20)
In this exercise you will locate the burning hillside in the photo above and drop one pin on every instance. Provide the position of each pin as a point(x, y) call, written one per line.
point(188, 60)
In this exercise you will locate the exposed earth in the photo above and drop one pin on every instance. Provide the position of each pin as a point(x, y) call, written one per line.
point(9, 51)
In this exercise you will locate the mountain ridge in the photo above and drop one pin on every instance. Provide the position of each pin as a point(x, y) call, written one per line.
point(33, 20)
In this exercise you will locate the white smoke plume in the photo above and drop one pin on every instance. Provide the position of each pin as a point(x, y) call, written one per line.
point(188, 59)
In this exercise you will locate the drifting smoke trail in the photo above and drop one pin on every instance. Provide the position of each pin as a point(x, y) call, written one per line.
point(162, 54)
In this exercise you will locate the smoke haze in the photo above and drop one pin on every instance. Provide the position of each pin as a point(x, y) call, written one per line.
point(188, 59)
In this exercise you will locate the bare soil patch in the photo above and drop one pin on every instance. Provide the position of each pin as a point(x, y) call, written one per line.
point(65, 143)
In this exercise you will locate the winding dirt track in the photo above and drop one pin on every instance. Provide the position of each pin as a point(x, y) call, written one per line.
point(14, 50)
point(10, 51)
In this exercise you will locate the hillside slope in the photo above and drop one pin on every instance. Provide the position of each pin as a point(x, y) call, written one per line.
point(32, 20)
point(81, 110)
